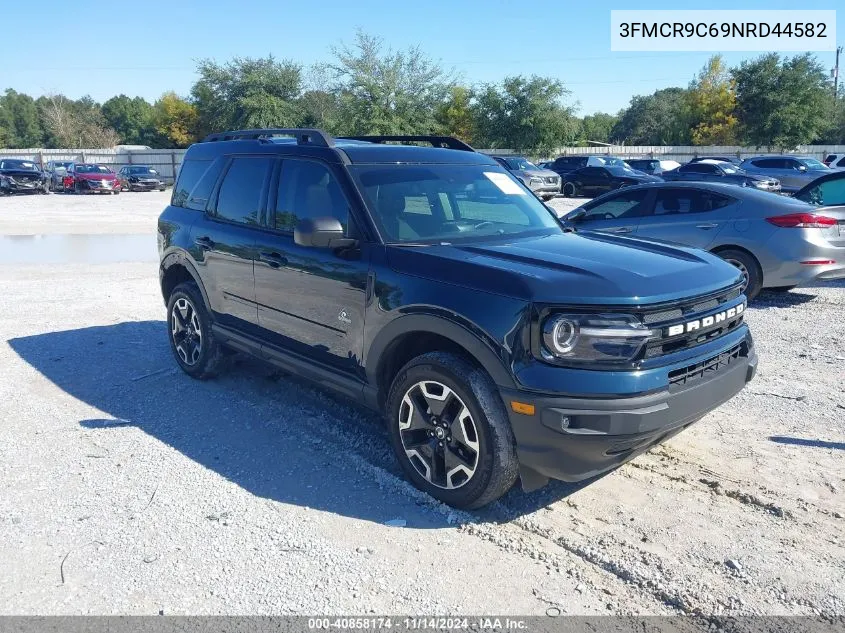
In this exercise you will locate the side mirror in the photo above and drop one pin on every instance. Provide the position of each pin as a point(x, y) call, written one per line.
point(322, 232)
point(575, 215)
point(802, 168)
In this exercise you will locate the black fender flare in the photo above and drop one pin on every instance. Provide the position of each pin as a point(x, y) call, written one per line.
point(473, 340)
point(180, 258)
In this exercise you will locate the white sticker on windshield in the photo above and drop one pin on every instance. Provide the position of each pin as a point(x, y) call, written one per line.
point(504, 183)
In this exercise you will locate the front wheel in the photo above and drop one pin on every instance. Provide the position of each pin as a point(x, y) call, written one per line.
point(569, 190)
point(748, 266)
point(450, 431)
point(191, 339)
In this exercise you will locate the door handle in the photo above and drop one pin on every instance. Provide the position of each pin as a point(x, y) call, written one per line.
point(620, 229)
point(274, 260)
point(205, 243)
point(709, 225)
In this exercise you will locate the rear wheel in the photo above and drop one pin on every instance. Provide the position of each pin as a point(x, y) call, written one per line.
point(450, 431)
point(191, 339)
point(748, 266)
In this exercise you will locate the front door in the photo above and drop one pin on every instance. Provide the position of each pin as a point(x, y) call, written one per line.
point(310, 300)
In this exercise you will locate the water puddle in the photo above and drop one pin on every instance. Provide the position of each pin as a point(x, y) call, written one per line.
point(77, 249)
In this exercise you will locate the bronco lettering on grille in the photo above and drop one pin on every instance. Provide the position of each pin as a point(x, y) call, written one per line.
point(704, 323)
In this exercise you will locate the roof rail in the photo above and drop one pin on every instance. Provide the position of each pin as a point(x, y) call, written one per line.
point(448, 142)
point(303, 136)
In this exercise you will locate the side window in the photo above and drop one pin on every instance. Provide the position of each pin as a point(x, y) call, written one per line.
point(770, 163)
point(239, 199)
point(791, 163)
point(307, 189)
point(189, 175)
point(681, 201)
point(840, 163)
point(827, 193)
point(625, 205)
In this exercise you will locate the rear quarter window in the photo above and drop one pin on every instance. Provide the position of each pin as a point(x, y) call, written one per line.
point(190, 173)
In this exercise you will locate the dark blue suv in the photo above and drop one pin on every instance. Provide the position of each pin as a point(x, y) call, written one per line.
point(429, 284)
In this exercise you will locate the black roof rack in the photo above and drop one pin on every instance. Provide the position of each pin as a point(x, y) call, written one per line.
point(447, 142)
point(303, 136)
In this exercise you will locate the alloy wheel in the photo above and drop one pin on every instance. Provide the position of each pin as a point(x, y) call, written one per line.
point(738, 264)
point(186, 330)
point(438, 434)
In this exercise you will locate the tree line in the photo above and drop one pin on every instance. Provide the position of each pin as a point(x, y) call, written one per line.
point(770, 101)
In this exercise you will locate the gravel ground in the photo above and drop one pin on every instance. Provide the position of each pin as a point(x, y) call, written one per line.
point(126, 487)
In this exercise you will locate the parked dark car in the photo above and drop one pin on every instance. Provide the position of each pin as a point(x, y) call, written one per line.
point(713, 171)
point(91, 178)
point(721, 159)
point(428, 284)
point(777, 242)
point(793, 172)
point(835, 161)
point(652, 166)
point(57, 170)
point(543, 182)
point(140, 178)
point(22, 176)
point(594, 181)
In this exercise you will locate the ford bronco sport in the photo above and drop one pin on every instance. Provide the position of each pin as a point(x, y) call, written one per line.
point(431, 285)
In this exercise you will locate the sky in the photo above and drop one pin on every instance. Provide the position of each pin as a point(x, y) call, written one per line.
point(147, 47)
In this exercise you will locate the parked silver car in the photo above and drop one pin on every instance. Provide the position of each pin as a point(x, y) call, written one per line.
point(543, 182)
point(776, 241)
point(57, 169)
point(793, 172)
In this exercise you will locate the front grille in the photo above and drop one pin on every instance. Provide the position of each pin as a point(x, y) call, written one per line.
point(662, 317)
point(705, 369)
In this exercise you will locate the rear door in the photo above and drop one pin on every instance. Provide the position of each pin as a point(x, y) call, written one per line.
point(225, 239)
point(619, 213)
point(686, 215)
point(593, 181)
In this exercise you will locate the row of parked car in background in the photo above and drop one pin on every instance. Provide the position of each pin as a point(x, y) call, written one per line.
point(26, 176)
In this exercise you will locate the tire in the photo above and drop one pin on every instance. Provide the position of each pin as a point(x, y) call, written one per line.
point(779, 288)
point(479, 445)
point(750, 268)
point(568, 190)
point(200, 356)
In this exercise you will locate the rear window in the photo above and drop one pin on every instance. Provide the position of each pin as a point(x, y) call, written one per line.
point(189, 175)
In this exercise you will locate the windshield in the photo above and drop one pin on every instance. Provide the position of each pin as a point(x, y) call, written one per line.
point(91, 169)
point(611, 161)
point(432, 204)
point(142, 170)
point(621, 170)
point(25, 165)
point(812, 163)
point(520, 163)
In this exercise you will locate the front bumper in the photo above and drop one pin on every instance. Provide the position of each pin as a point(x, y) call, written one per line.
point(575, 438)
point(22, 186)
point(98, 185)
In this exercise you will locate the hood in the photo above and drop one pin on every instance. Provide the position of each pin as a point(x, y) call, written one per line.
point(95, 176)
point(582, 268)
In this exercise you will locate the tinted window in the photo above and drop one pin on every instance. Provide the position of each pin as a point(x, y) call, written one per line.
point(239, 199)
point(696, 168)
point(679, 201)
point(624, 205)
point(307, 190)
point(593, 172)
point(189, 174)
point(829, 192)
point(769, 163)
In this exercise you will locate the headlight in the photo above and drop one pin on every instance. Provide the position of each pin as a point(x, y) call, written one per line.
point(588, 339)
point(534, 180)
point(760, 184)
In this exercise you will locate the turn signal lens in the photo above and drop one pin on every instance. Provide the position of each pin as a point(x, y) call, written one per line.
point(522, 407)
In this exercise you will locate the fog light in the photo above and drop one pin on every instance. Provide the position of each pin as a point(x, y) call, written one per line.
point(564, 422)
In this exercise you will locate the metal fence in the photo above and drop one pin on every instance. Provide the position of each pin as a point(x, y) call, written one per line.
point(680, 153)
point(165, 161)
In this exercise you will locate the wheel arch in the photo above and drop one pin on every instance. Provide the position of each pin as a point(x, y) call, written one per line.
point(412, 335)
point(736, 247)
point(176, 268)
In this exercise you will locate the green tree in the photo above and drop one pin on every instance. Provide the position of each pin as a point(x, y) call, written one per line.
point(711, 102)
point(525, 114)
point(598, 127)
point(381, 91)
point(318, 104)
point(782, 103)
point(175, 121)
point(247, 93)
point(20, 125)
point(455, 115)
point(655, 119)
point(131, 118)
